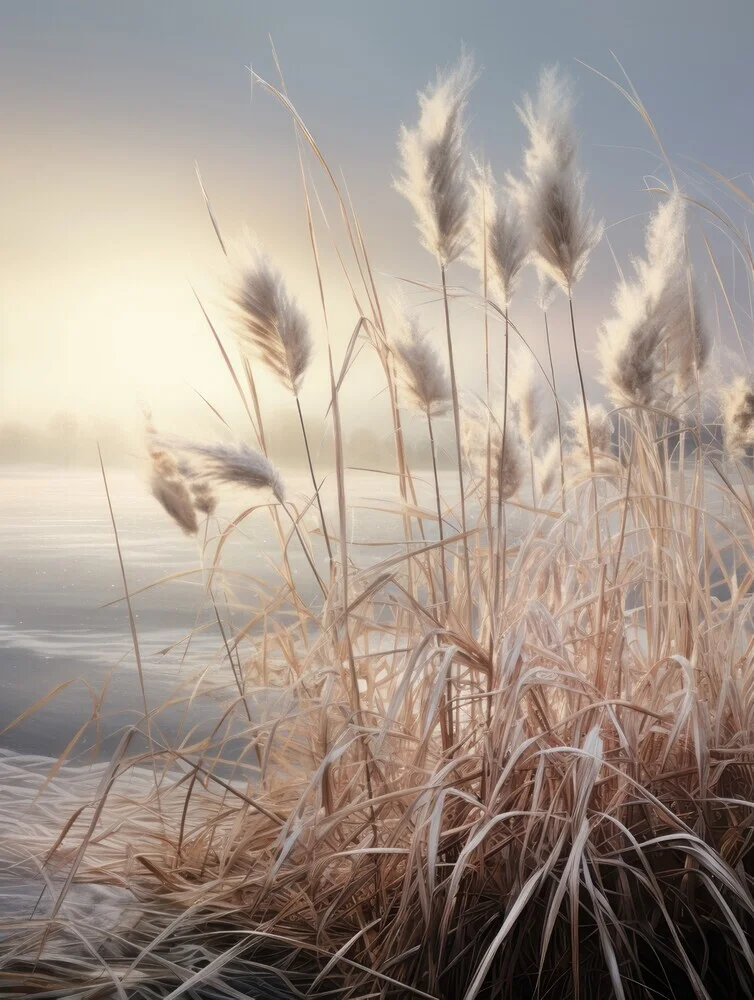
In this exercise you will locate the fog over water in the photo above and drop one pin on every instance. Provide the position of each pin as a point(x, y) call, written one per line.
point(60, 574)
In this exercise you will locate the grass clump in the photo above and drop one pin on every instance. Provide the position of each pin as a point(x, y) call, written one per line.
point(514, 757)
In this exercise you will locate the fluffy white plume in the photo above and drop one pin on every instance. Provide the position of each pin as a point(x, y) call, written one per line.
point(237, 465)
point(600, 424)
point(507, 463)
point(498, 238)
point(434, 175)
point(167, 483)
point(523, 391)
point(563, 229)
point(737, 401)
point(268, 321)
point(654, 345)
point(423, 374)
point(546, 291)
point(547, 467)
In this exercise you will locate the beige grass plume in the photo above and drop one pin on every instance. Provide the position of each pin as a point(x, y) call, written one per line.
point(422, 373)
point(268, 321)
point(524, 392)
point(653, 347)
point(547, 467)
point(507, 463)
point(433, 172)
point(563, 229)
point(738, 416)
point(202, 496)
point(499, 241)
point(168, 485)
point(236, 465)
point(600, 425)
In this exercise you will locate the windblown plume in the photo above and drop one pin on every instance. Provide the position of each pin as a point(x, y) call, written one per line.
point(656, 343)
point(499, 241)
point(546, 291)
point(422, 373)
point(547, 467)
point(237, 465)
point(738, 416)
point(202, 497)
point(522, 391)
point(434, 176)
point(507, 463)
point(268, 320)
point(168, 485)
point(563, 229)
point(174, 497)
point(600, 424)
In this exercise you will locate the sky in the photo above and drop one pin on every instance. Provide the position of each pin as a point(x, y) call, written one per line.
point(107, 106)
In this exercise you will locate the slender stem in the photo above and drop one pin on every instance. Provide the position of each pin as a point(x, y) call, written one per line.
point(501, 540)
point(457, 421)
point(314, 478)
point(583, 389)
point(439, 508)
point(305, 549)
point(588, 428)
point(557, 410)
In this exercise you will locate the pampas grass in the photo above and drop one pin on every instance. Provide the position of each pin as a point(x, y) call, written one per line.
point(428, 390)
point(268, 321)
point(543, 785)
point(653, 348)
point(423, 376)
point(433, 177)
point(499, 246)
point(563, 229)
point(434, 181)
point(235, 465)
point(737, 401)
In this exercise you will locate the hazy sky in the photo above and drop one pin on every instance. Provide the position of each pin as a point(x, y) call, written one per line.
point(107, 104)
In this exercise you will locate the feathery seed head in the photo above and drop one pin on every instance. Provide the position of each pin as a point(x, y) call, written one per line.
point(499, 241)
point(656, 343)
point(522, 389)
point(434, 175)
point(600, 425)
point(174, 497)
point(547, 466)
point(237, 465)
point(507, 468)
point(546, 291)
point(563, 229)
point(738, 416)
point(422, 372)
point(268, 321)
point(168, 484)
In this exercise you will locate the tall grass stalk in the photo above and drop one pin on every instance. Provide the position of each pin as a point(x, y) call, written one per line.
point(459, 456)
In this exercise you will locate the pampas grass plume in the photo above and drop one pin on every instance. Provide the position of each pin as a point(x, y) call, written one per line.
point(168, 484)
point(563, 229)
point(422, 373)
point(522, 390)
point(236, 465)
point(506, 480)
point(268, 321)
point(498, 239)
point(600, 424)
point(654, 345)
point(547, 467)
point(738, 416)
point(431, 156)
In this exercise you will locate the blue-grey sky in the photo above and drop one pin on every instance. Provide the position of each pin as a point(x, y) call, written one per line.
point(107, 104)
